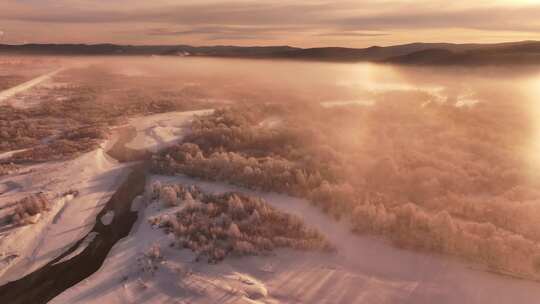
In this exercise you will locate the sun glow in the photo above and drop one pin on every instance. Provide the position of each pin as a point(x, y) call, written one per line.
point(532, 91)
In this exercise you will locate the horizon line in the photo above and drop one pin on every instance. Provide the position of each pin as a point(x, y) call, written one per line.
point(260, 46)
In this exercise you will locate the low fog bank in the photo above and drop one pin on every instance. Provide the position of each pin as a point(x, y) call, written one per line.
point(237, 80)
point(433, 177)
point(240, 80)
point(439, 160)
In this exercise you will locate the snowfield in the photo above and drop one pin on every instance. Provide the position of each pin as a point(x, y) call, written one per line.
point(363, 270)
point(24, 249)
point(155, 132)
point(94, 175)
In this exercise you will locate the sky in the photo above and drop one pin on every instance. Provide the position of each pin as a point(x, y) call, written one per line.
point(302, 23)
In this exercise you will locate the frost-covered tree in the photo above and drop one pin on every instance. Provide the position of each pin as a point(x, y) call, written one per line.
point(215, 226)
point(168, 196)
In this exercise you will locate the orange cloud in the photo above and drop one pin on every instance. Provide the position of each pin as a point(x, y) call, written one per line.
point(299, 23)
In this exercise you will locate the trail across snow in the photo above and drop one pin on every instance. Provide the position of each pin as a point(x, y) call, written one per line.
point(7, 94)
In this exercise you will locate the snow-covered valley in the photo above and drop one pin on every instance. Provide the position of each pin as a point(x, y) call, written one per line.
point(98, 238)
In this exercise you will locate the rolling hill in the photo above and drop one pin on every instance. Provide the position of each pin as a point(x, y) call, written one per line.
point(525, 52)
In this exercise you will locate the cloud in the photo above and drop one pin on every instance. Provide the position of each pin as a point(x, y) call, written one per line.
point(225, 32)
point(319, 14)
point(291, 21)
point(493, 19)
point(352, 34)
point(341, 14)
point(216, 30)
point(231, 13)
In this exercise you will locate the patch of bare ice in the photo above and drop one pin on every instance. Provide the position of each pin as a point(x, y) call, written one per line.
point(107, 218)
point(84, 244)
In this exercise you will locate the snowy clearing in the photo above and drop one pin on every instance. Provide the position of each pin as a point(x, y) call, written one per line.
point(158, 131)
point(364, 270)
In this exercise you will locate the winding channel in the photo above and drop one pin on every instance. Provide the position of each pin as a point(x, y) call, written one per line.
point(57, 276)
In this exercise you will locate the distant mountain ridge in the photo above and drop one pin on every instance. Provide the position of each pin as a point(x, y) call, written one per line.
point(115, 49)
point(524, 52)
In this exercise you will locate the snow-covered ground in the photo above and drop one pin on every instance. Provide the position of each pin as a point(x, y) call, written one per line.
point(26, 248)
point(94, 175)
point(363, 270)
point(271, 122)
point(155, 132)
